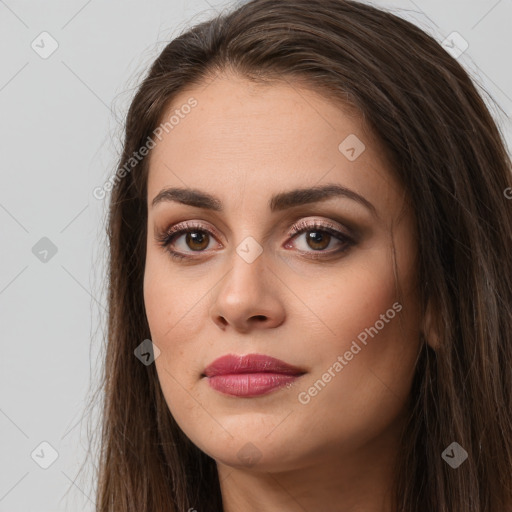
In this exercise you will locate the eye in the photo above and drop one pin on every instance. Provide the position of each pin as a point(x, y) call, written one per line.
point(318, 237)
point(187, 238)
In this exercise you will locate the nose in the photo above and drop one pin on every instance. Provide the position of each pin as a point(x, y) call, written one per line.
point(248, 297)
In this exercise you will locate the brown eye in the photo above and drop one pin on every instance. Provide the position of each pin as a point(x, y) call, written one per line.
point(182, 240)
point(318, 240)
point(197, 240)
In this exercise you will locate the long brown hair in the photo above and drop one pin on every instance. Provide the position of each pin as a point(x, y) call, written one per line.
point(450, 156)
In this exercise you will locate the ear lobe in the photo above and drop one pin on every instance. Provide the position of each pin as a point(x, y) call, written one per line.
point(430, 328)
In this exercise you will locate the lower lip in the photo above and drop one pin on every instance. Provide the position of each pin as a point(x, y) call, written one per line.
point(250, 384)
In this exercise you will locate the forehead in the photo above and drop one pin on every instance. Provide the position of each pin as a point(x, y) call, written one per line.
point(264, 138)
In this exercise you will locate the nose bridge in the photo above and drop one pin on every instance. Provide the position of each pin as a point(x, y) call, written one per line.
point(250, 250)
point(247, 262)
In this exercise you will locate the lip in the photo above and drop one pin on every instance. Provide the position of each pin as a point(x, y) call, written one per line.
point(250, 375)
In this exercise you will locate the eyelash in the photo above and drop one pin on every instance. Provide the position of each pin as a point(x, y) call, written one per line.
point(165, 238)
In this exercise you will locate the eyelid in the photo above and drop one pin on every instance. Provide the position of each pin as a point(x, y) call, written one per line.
point(182, 226)
point(297, 226)
point(317, 223)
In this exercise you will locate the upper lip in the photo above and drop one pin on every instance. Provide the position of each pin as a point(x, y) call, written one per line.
point(249, 363)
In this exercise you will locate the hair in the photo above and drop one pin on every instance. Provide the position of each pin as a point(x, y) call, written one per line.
point(448, 153)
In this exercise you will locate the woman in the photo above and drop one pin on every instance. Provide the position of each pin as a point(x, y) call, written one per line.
point(310, 274)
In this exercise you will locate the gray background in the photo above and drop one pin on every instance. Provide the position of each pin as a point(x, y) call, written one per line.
point(60, 135)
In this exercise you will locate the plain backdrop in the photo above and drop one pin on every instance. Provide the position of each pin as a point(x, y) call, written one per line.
point(68, 72)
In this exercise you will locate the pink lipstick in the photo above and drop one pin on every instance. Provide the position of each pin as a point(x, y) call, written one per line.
point(250, 375)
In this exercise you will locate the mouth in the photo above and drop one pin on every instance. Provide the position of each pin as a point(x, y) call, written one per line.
point(250, 375)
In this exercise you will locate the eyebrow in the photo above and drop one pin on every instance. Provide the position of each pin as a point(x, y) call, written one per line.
point(278, 202)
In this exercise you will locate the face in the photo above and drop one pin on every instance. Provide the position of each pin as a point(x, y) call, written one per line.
point(305, 278)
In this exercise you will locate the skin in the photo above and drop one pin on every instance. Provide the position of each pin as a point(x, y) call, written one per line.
point(243, 143)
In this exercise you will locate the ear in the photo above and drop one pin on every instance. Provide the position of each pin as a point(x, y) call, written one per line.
point(430, 327)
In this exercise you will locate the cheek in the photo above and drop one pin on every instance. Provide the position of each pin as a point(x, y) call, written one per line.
point(351, 297)
point(177, 312)
point(174, 304)
point(375, 301)
point(373, 328)
point(173, 309)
